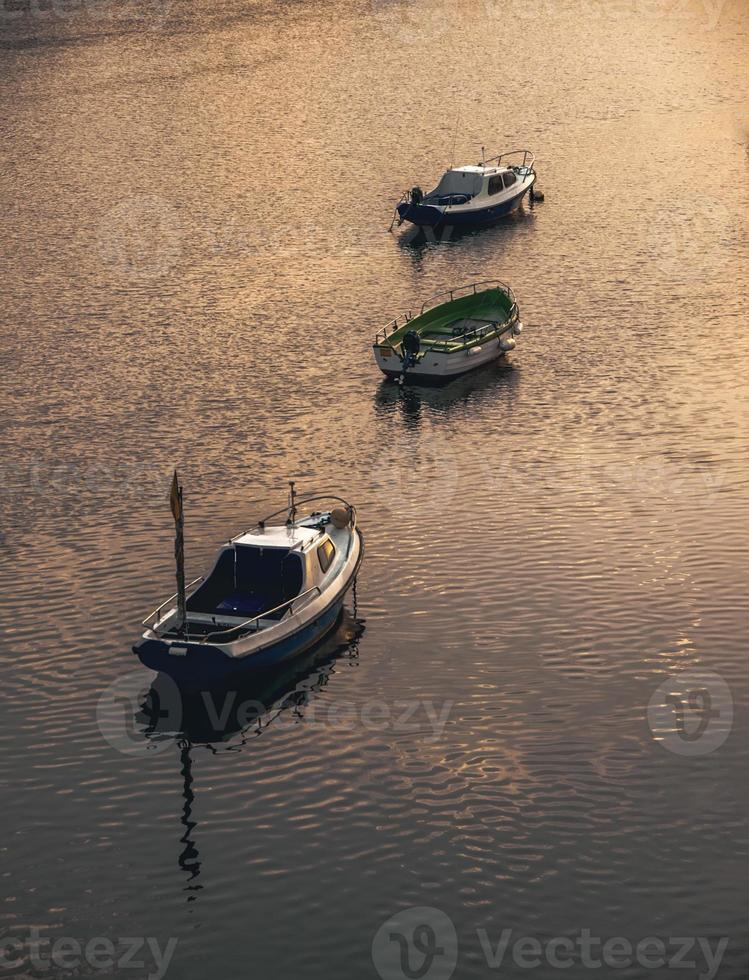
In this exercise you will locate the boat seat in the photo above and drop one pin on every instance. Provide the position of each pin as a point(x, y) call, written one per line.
point(244, 604)
point(455, 329)
point(440, 329)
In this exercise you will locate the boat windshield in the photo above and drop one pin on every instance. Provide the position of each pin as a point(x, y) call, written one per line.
point(457, 182)
point(248, 580)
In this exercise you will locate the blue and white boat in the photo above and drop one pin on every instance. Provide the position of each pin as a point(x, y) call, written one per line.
point(472, 197)
point(274, 591)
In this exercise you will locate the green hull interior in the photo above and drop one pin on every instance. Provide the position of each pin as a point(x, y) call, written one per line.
point(436, 326)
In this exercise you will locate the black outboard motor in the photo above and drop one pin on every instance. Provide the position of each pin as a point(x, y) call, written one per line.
point(411, 348)
point(412, 344)
point(417, 195)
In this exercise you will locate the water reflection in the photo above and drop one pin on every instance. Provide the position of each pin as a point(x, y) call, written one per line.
point(229, 716)
point(496, 380)
point(419, 241)
point(188, 858)
point(525, 561)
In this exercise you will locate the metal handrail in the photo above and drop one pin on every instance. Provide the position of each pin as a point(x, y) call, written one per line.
point(212, 637)
point(303, 500)
point(450, 292)
point(505, 325)
point(383, 334)
point(319, 496)
point(158, 609)
point(499, 329)
point(510, 153)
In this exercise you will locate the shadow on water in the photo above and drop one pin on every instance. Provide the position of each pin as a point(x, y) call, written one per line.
point(418, 241)
point(189, 857)
point(229, 717)
point(242, 709)
point(496, 380)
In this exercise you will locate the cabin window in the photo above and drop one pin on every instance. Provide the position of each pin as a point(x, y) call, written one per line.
point(509, 179)
point(325, 554)
point(495, 184)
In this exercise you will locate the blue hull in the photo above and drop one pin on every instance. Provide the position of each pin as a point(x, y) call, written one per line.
point(206, 664)
point(427, 216)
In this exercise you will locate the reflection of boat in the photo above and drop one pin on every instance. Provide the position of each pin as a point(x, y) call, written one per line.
point(454, 332)
point(481, 387)
point(417, 240)
point(217, 714)
point(211, 717)
point(471, 197)
point(273, 592)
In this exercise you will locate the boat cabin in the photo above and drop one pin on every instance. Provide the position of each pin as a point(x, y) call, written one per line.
point(460, 184)
point(261, 570)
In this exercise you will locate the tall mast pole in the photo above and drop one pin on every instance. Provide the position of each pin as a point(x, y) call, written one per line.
point(455, 136)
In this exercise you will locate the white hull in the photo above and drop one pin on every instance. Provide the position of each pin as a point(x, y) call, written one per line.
point(438, 365)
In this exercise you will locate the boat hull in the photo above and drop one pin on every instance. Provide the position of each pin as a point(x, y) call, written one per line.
point(439, 368)
point(193, 664)
point(461, 217)
point(202, 663)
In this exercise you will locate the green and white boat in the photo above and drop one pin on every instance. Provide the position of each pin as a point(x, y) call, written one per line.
point(454, 332)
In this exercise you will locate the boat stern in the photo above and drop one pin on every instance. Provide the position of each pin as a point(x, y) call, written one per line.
point(186, 662)
point(421, 215)
point(388, 360)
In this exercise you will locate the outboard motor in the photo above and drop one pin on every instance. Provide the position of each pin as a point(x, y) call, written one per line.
point(411, 345)
point(411, 348)
point(417, 195)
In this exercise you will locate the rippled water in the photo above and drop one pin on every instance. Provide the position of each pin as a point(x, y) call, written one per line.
point(194, 262)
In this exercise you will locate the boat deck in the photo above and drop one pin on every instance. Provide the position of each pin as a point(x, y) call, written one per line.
point(458, 322)
point(457, 328)
point(456, 334)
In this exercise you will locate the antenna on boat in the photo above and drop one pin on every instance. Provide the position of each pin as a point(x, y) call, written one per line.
point(175, 502)
point(455, 136)
point(292, 503)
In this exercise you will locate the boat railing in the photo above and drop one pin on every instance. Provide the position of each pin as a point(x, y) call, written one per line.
point(392, 327)
point(157, 611)
point(529, 158)
point(458, 291)
point(383, 335)
point(472, 336)
point(154, 619)
point(306, 499)
point(245, 626)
